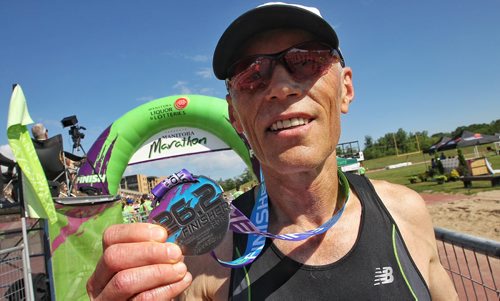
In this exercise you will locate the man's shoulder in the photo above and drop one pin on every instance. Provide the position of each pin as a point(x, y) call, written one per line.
point(400, 194)
point(403, 203)
point(410, 213)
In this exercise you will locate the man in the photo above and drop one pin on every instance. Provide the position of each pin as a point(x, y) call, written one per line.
point(287, 87)
point(67, 162)
point(39, 132)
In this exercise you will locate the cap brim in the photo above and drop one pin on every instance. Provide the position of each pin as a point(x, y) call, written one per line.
point(262, 19)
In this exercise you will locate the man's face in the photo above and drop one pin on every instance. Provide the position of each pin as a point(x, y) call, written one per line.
point(292, 126)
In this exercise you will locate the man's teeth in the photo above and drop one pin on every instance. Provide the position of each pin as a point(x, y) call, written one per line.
point(288, 123)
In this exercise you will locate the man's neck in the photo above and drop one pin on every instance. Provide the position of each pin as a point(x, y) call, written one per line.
point(304, 198)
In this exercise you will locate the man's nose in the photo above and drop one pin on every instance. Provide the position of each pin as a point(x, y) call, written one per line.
point(282, 84)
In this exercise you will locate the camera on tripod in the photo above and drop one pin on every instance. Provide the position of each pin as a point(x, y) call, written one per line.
point(74, 131)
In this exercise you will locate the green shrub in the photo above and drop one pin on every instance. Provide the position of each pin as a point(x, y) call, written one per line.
point(440, 179)
point(413, 179)
point(423, 177)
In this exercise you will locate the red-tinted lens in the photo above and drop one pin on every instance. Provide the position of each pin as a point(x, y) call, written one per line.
point(303, 61)
point(243, 64)
point(304, 64)
point(255, 76)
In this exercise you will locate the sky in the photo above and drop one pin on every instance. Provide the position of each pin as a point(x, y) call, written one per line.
point(417, 65)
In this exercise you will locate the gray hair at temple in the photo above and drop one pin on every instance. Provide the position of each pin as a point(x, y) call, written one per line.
point(39, 131)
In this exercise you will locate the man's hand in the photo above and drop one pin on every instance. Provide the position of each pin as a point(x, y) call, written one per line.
point(138, 264)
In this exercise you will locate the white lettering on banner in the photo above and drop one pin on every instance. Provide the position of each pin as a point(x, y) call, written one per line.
point(91, 179)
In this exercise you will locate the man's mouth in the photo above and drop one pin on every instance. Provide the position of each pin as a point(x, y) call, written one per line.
point(288, 123)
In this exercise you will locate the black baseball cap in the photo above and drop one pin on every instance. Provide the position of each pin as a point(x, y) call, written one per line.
point(266, 17)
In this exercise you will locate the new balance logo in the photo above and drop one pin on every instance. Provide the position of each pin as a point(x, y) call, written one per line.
point(383, 276)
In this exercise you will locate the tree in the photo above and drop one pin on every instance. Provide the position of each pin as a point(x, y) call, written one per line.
point(228, 184)
point(401, 141)
point(232, 183)
point(368, 141)
point(462, 164)
point(386, 145)
point(247, 176)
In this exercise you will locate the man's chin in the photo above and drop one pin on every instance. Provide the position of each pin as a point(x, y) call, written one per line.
point(297, 161)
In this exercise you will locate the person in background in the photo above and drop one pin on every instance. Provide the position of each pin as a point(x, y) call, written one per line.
point(6, 174)
point(442, 156)
point(40, 132)
point(129, 212)
point(70, 161)
point(146, 205)
point(128, 205)
point(287, 87)
point(136, 205)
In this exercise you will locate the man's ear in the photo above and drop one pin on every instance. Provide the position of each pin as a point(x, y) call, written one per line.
point(233, 116)
point(347, 90)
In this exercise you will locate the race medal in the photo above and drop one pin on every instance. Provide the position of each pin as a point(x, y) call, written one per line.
point(195, 215)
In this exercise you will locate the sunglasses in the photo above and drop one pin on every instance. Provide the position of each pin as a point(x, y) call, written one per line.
point(303, 61)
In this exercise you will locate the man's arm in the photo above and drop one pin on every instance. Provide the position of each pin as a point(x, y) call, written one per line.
point(440, 283)
point(414, 221)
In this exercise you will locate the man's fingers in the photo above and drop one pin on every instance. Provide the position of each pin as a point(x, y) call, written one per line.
point(137, 232)
point(120, 257)
point(136, 262)
point(166, 292)
point(128, 283)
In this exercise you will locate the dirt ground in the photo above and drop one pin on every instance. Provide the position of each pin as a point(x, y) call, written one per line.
point(477, 215)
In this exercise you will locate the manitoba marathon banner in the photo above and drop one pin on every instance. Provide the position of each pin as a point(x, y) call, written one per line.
point(160, 129)
point(177, 142)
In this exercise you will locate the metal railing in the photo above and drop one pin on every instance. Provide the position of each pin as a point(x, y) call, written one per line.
point(473, 264)
point(12, 274)
point(18, 238)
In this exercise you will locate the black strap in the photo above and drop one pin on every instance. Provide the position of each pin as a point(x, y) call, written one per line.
point(360, 184)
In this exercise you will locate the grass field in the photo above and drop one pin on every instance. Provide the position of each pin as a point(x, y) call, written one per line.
point(419, 165)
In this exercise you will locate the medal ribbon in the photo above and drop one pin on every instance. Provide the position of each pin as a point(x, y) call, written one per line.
point(256, 227)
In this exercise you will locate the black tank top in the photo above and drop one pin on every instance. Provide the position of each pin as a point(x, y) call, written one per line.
point(378, 267)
